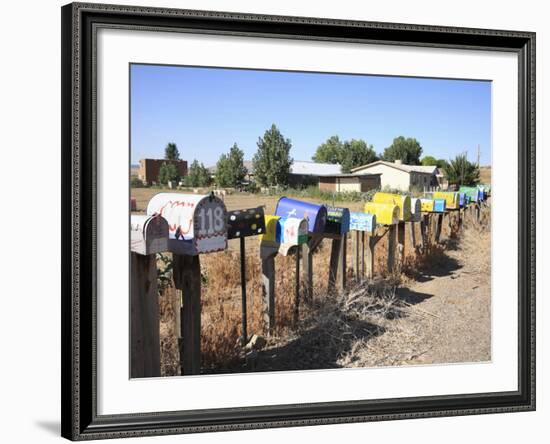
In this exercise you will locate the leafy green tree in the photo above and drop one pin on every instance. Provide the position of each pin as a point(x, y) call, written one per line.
point(442, 164)
point(330, 151)
point(462, 172)
point(428, 161)
point(171, 152)
point(198, 176)
point(356, 153)
point(230, 169)
point(168, 172)
point(272, 161)
point(407, 150)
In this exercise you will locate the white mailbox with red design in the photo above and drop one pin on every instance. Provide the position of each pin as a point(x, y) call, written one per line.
point(196, 222)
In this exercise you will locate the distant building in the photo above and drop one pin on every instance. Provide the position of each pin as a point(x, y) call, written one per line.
point(304, 173)
point(149, 169)
point(349, 182)
point(399, 176)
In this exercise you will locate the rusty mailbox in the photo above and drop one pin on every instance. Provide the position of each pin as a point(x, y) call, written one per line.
point(148, 234)
point(197, 223)
point(245, 223)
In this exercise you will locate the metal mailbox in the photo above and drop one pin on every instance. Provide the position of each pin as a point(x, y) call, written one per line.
point(196, 223)
point(451, 199)
point(416, 210)
point(472, 192)
point(402, 201)
point(294, 231)
point(316, 215)
point(338, 220)
point(427, 205)
point(386, 213)
point(272, 232)
point(244, 223)
point(148, 234)
point(362, 222)
point(440, 205)
point(461, 199)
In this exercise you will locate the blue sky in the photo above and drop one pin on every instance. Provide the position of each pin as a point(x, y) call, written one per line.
point(205, 110)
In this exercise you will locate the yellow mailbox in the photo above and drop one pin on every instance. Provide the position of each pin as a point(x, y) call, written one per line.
point(402, 202)
point(386, 213)
point(451, 199)
point(272, 229)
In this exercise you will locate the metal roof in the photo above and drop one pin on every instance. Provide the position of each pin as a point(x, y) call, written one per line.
point(308, 168)
point(400, 166)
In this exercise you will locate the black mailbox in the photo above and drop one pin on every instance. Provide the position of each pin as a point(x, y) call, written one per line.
point(244, 223)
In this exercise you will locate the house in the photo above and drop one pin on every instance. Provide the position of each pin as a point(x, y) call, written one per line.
point(149, 169)
point(304, 173)
point(397, 175)
point(349, 182)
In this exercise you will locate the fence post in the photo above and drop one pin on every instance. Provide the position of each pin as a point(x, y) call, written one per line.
point(438, 226)
point(342, 262)
point(392, 233)
point(297, 288)
point(187, 279)
point(401, 243)
point(371, 242)
point(268, 292)
point(336, 268)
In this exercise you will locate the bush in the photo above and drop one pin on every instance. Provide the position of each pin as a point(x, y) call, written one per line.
point(136, 182)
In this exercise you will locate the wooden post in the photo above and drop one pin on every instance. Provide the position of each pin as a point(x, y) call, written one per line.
point(244, 329)
point(424, 219)
point(334, 263)
point(297, 289)
point(307, 271)
point(144, 319)
point(392, 234)
point(412, 234)
point(342, 262)
point(356, 252)
point(438, 226)
point(371, 242)
point(401, 243)
point(268, 292)
point(187, 278)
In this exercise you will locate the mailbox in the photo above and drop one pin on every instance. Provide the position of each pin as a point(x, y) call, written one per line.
point(294, 231)
point(472, 192)
point(196, 223)
point(440, 205)
point(451, 199)
point(362, 222)
point(481, 194)
point(316, 215)
point(386, 213)
point(148, 234)
point(402, 201)
point(461, 199)
point(337, 221)
point(416, 210)
point(272, 229)
point(244, 223)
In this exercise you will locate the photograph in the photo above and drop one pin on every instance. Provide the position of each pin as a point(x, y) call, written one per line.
point(298, 220)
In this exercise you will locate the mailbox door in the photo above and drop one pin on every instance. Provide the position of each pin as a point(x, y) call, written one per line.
point(316, 215)
point(244, 223)
point(294, 231)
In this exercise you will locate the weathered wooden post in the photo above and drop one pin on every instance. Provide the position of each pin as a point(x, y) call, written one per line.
point(371, 242)
point(149, 236)
point(416, 216)
point(197, 225)
point(387, 214)
point(336, 228)
point(360, 223)
point(241, 224)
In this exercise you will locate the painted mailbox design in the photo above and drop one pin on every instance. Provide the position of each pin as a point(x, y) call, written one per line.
point(294, 231)
point(197, 223)
point(362, 222)
point(416, 210)
point(316, 215)
point(451, 199)
point(403, 202)
point(244, 223)
point(386, 213)
point(148, 234)
point(338, 221)
point(471, 192)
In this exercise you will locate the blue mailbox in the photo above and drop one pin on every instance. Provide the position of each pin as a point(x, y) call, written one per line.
point(338, 220)
point(316, 215)
point(439, 205)
point(462, 199)
point(362, 222)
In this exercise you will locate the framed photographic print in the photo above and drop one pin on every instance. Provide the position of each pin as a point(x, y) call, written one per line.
point(275, 221)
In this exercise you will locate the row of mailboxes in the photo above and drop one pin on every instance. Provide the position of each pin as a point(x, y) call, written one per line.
point(403, 202)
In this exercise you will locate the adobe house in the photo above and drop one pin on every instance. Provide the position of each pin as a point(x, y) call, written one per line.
point(349, 182)
point(149, 169)
point(397, 175)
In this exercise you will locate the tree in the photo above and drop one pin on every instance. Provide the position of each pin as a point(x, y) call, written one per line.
point(168, 172)
point(171, 152)
point(356, 153)
point(272, 160)
point(462, 172)
point(230, 169)
point(198, 176)
point(407, 150)
point(428, 161)
point(329, 152)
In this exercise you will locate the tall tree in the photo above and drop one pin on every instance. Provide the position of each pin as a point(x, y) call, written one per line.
point(356, 153)
point(171, 152)
point(272, 161)
point(462, 172)
point(432, 161)
point(198, 176)
point(330, 151)
point(230, 169)
point(168, 172)
point(407, 150)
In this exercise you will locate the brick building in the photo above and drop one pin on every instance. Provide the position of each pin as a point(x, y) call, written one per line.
point(149, 169)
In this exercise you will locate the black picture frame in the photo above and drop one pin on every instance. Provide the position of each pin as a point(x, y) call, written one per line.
point(79, 208)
